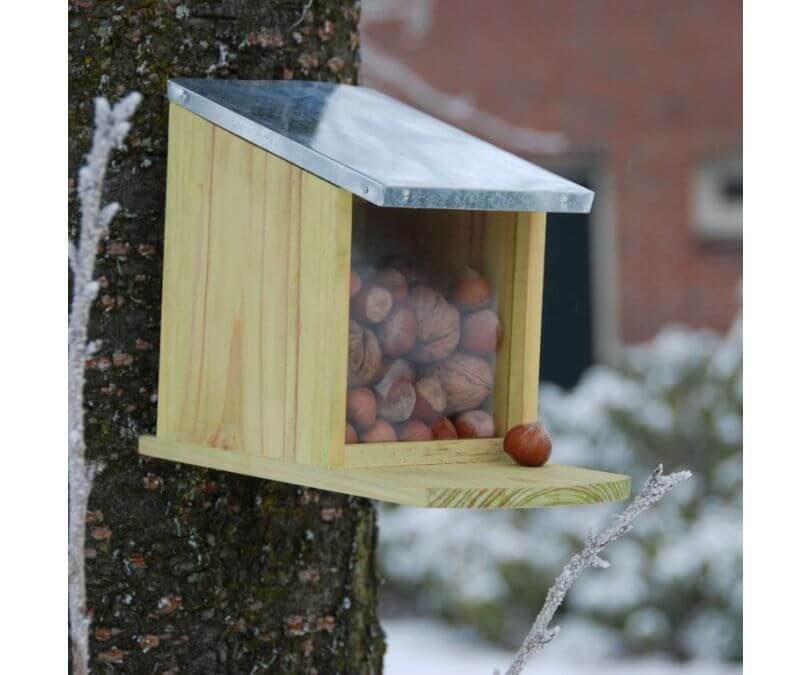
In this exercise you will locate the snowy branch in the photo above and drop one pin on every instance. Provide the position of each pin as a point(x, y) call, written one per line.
point(111, 127)
point(541, 634)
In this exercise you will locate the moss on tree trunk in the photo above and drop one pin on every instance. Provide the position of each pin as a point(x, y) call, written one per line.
point(189, 570)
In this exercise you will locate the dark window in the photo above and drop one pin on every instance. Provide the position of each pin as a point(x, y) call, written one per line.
point(566, 335)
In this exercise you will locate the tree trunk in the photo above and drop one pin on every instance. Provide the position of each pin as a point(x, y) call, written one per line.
point(189, 570)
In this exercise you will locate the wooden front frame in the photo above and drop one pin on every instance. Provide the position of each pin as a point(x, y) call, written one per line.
point(254, 339)
point(255, 309)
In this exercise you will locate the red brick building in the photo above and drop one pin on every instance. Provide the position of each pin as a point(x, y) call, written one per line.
point(643, 100)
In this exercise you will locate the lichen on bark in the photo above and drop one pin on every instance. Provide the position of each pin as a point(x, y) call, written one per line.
point(190, 570)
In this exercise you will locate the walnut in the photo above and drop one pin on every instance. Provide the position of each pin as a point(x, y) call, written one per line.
point(467, 381)
point(365, 355)
point(397, 333)
point(438, 328)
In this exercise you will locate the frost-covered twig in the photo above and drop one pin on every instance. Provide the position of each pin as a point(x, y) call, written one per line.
point(541, 634)
point(111, 127)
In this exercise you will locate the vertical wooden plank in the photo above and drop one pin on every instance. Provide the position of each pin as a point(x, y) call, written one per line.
point(524, 371)
point(188, 185)
point(323, 317)
point(279, 307)
point(228, 413)
point(499, 267)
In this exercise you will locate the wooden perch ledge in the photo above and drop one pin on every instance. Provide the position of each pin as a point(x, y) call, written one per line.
point(493, 484)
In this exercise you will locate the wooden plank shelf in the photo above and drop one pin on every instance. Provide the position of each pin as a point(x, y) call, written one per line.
point(497, 483)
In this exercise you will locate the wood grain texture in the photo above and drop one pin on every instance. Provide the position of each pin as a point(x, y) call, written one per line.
point(527, 299)
point(496, 484)
point(425, 452)
point(255, 315)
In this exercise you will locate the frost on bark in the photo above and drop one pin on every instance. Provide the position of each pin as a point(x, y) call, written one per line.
point(189, 570)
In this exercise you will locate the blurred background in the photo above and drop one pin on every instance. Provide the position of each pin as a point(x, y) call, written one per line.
point(641, 339)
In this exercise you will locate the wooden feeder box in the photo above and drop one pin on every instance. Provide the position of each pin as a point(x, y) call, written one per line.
point(276, 192)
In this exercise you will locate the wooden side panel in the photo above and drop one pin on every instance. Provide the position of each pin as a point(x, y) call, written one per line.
point(524, 370)
point(495, 484)
point(255, 314)
point(324, 252)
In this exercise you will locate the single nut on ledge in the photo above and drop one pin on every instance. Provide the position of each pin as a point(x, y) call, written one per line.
point(475, 424)
point(361, 407)
point(444, 430)
point(379, 432)
point(471, 290)
point(528, 444)
point(371, 304)
point(397, 333)
point(414, 430)
point(467, 381)
point(438, 325)
point(365, 355)
point(431, 399)
point(480, 332)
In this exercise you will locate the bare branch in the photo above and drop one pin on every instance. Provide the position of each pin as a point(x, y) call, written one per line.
point(540, 635)
point(379, 66)
point(111, 127)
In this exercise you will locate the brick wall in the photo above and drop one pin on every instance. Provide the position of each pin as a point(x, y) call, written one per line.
point(648, 87)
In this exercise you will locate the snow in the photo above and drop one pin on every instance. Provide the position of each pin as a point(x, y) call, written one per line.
point(675, 582)
point(427, 647)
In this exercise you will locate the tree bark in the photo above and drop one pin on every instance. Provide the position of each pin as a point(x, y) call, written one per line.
point(189, 570)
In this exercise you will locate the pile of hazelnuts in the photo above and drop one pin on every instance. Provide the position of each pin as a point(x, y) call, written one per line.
point(420, 360)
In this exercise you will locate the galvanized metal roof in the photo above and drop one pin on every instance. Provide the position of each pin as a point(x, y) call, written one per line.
point(376, 147)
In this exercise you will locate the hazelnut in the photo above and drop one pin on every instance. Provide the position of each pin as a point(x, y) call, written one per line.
point(355, 284)
point(351, 434)
point(480, 332)
point(396, 400)
point(371, 304)
point(400, 369)
point(414, 430)
point(438, 329)
point(475, 424)
point(379, 432)
point(444, 430)
point(361, 407)
point(528, 444)
point(430, 399)
point(397, 333)
point(404, 267)
point(467, 381)
point(365, 355)
point(394, 282)
point(471, 290)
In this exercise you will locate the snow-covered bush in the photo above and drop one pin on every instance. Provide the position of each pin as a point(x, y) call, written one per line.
point(675, 584)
